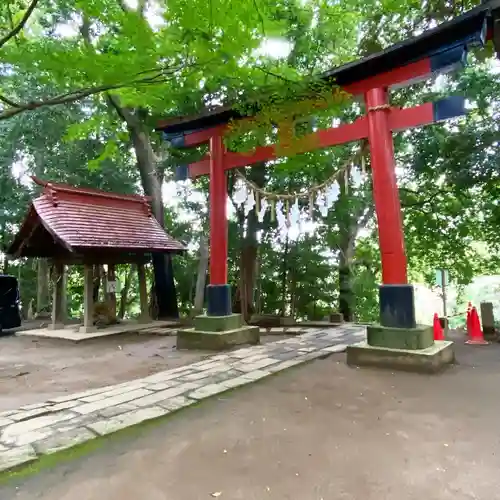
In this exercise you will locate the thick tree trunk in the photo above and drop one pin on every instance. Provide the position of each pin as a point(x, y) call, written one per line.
point(348, 229)
point(164, 285)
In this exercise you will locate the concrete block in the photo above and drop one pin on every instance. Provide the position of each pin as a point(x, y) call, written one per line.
point(420, 337)
point(218, 323)
point(430, 360)
point(217, 341)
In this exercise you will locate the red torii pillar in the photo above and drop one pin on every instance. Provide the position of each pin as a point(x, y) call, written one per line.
point(397, 302)
point(218, 292)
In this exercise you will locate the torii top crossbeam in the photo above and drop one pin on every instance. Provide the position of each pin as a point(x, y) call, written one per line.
point(437, 51)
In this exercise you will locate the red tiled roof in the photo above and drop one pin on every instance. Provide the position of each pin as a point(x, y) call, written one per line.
point(82, 218)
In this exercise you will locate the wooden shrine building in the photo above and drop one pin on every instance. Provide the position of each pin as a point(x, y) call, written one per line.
point(79, 226)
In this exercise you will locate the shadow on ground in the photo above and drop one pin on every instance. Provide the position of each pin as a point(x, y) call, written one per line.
point(321, 431)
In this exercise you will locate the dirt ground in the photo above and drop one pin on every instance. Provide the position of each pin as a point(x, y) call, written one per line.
point(34, 370)
point(321, 431)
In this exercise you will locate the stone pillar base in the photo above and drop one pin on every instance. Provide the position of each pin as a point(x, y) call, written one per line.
point(336, 318)
point(432, 359)
point(87, 329)
point(216, 333)
point(420, 337)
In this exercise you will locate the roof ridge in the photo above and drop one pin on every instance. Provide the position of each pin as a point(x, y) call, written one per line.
point(55, 186)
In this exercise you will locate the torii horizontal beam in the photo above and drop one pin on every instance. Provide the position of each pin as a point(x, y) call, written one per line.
point(443, 62)
point(399, 119)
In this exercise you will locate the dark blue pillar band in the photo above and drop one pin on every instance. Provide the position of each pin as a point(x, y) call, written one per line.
point(397, 306)
point(219, 300)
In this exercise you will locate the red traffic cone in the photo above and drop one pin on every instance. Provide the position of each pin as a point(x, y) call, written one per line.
point(438, 329)
point(476, 334)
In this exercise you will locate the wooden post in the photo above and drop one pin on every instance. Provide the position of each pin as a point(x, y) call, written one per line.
point(64, 291)
point(88, 299)
point(143, 293)
point(111, 296)
point(57, 320)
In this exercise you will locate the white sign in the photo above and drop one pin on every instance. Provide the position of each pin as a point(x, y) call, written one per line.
point(112, 287)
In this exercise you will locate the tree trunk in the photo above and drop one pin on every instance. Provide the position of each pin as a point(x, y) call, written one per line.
point(284, 276)
point(164, 285)
point(249, 251)
point(42, 286)
point(347, 236)
point(199, 297)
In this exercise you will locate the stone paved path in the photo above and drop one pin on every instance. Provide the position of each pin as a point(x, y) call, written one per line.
point(66, 421)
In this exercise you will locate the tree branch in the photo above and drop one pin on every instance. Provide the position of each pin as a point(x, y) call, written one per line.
point(9, 102)
point(421, 203)
point(16, 108)
point(13, 32)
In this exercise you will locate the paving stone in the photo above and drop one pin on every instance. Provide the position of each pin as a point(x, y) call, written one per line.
point(220, 357)
point(113, 411)
point(162, 395)
point(7, 413)
point(256, 375)
point(128, 419)
point(5, 421)
point(167, 375)
point(335, 348)
point(235, 382)
point(34, 406)
point(63, 406)
point(28, 437)
point(221, 377)
point(16, 456)
point(78, 395)
point(196, 376)
point(250, 367)
point(307, 349)
point(176, 403)
point(119, 389)
point(257, 357)
point(284, 365)
point(161, 386)
point(207, 391)
point(241, 353)
point(34, 424)
point(311, 355)
point(285, 356)
point(63, 440)
point(26, 415)
point(111, 401)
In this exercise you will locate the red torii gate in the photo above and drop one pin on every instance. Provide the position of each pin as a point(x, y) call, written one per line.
point(435, 52)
